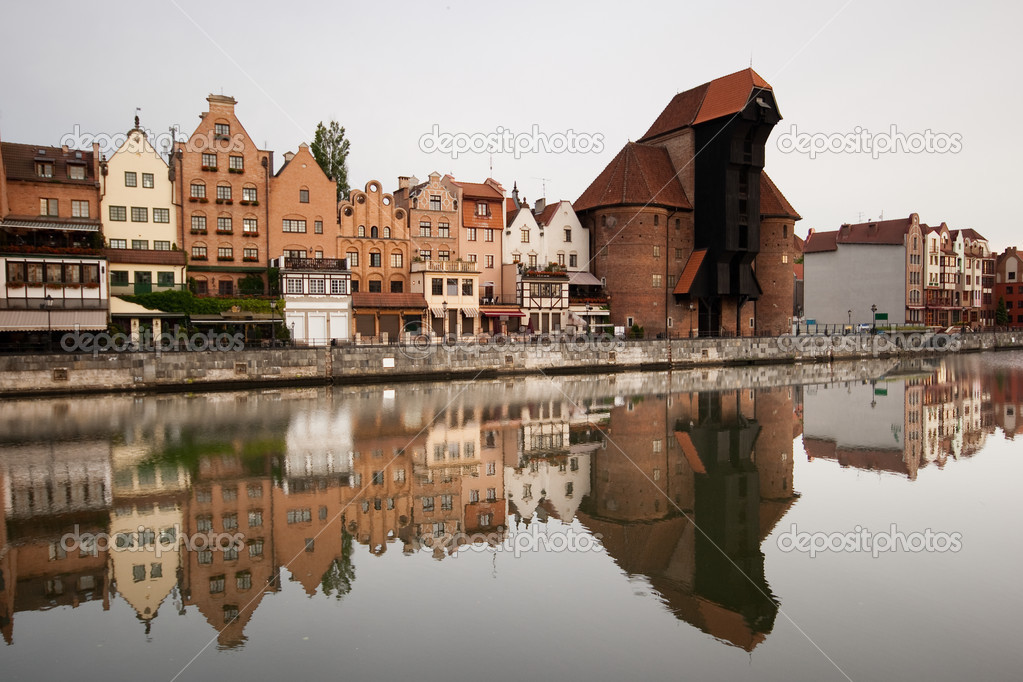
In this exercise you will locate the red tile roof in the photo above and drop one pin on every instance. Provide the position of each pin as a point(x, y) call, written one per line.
point(688, 276)
point(797, 269)
point(720, 97)
point(639, 175)
point(509, 205)
point(368, 299)
point(773, 203)
point(545, 216)
point(19, 162)
point(816, 242)
point(481, 190)
point(889, 232)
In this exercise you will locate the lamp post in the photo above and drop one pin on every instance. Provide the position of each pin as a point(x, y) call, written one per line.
point(273, 323)
point(873, 323)
point(850, 319)
point(444, 325)
point(48, 304)
point(588, 309)
point(962, 318)
point(692, 307)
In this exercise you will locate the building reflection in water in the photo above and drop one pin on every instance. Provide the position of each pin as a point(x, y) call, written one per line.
point(682, 487)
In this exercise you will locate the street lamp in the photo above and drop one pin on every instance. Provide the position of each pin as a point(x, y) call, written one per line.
point(273, 323)
point(588, 309)
point(873, 324)
point(444, 324)
point(48, 304)
point(850, 319)
point(692, 307)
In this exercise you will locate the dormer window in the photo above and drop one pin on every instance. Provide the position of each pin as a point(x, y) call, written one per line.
point(76, 172)
point(482, 209)
point(44, 169)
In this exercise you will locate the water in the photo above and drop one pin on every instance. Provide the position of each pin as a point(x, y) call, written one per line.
point(633, 526)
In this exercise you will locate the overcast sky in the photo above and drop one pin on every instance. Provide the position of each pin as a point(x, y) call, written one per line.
point(390, 72)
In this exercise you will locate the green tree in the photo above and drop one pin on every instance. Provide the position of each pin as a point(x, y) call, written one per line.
point(1001, 313)
point(337, 580)
point(330, 149)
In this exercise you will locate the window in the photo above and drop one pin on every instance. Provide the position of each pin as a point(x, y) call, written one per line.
point(118, 277)
point(147, 180)
point(387, 232)
point(225, 253)
point(223, 192)
point(236, 163)
point(568, 234)
point(488, 261)
point(300, 515)
point(140, 244)
point(532, 260)
point(785, 258)
point(303, 196)
point(48, 207)
point(396, 259)
point(199, 223)
point(373, 232)
point(44, 169)
point(161, 245)
point(293, 285)
point(318, 228)
point(165, 279)
point(657, 251)
point(353, 259)
point(250, 253)
point(216, 584)
point(452, 286)
point(437, 286)
point(524, 237)
point(573, 260)
point(76, 172)
point(250, 226)
point(337, 287)
point(204, 524)
point(443, 230)
point(221, 129)
point(491, 469)
point(294, 226)
point(470, 234)
point(248, 194)
point(118, 243)
point(118, 213)
point(446, 502)
point(317, 286)
point(467, 287)
point(376, 286)
point(443, 255)
point(435, 202)
point(491, 494)
point(561, 259)
point(139, 214)
point(488, 235)
point(471, 258)
point(482, 208)
point(425, 254)
point(131, 179)
point(427, 504)
point(224, 224)
point(424, 228)
point(209, 161)
point(161, 215)
point(230, 521)
point(255, 548)
point(198, 252)
point(374, 259)
point(197, 190)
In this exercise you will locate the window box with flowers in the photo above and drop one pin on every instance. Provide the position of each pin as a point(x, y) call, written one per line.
point(193, 199)
point(203, 200)
point(198, 230)
point(219, 200)
point(15, 285)
point(225, 258)
point(54, 285)
point(224, 230)
point(244, 202)
point(212, 169)
point(250, 259)
point(91, 285)
point(229, 202)
point(196, 257)
point(72, 285)
point(235, 170)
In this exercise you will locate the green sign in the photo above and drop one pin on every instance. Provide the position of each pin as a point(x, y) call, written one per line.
point(881, 316)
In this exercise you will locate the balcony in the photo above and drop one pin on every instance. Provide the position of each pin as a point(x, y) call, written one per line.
point(314, 264)
point(444, 266)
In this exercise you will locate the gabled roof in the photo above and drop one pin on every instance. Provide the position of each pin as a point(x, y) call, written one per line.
point(20, 159)
point(480, 190)
point(720, 97)
point(548, 213)
point(640, 174)
point(773, 203)
point(884, 232)
point(817, 242)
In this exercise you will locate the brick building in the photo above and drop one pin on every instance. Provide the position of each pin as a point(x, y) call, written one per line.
point(1009, 285)
point(480, 237)
point(374, 238)
point(223, 188)
point(779, 250)
point(434, 220)
point(675, 251)
point(53, 274)
point(303, 209)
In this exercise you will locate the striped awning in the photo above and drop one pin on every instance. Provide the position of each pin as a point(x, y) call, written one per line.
point(59, 320)
point(471, 312)
point(50, 225)
point(437, 311)
point(503, 312)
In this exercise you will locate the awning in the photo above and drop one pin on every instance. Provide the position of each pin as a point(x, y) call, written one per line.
point(437, 311)
point(583, 278)
point(59, 320)
point(471, 312)
point(48, 225)
point(503, 312)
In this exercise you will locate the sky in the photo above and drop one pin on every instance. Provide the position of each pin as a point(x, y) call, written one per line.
point(931, 78)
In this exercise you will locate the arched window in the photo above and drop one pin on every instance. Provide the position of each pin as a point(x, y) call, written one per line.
point(373, 232)
point(387, 233)
point(362, 230)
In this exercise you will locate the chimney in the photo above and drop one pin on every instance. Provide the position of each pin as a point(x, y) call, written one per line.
point(541, 204)
point(288, 156)
point(222, 103)
point(403, 182)
point(414, 181)
point(64, 148)
point(515, 194)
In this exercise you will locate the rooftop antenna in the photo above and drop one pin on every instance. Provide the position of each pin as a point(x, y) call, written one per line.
point(137, 110)
point(491, 166)
point(859, 217)
point(543, 182)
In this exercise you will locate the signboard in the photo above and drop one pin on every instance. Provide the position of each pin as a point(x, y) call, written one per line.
point(809, 322)
point(881, 316)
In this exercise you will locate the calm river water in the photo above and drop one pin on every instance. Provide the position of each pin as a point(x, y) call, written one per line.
point(855, 521)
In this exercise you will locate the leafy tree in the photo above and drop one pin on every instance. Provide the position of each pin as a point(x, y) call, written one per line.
point(1001, 313)
point(330, 149)
point(337, 580)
